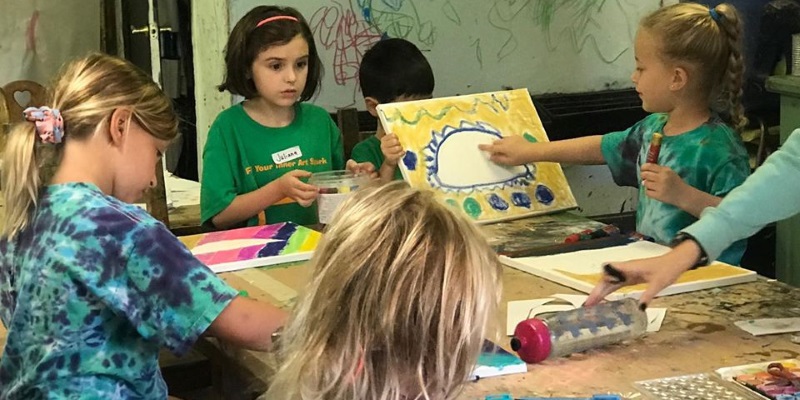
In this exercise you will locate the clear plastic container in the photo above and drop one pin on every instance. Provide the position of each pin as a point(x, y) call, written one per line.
point(334, 188)
point(563, 333)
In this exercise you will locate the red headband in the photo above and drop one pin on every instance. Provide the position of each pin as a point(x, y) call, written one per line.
point(275, 18)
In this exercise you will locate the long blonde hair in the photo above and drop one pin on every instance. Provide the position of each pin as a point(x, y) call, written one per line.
point(713, 46)
point(398, 306)
point(87, 91)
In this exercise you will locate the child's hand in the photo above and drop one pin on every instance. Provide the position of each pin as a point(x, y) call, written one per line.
point(391, 149)
point(510, 150)
point(365, 168)
point(663, 184)
point(657, 272)
point(297, 190)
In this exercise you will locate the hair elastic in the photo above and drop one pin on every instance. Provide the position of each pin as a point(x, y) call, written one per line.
point(715, 15)
point(49, 124)
point(276, 18)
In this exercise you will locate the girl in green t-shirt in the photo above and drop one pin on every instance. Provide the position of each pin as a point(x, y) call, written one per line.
point(259, 151)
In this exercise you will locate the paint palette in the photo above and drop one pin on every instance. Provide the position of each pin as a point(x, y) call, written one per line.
point(755, 377)
point(693, 387)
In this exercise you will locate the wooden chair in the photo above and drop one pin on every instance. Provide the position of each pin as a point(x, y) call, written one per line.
point(5, 122)
point(11, 108)
point(156, 197)
point(35, 92)
point(347, 119)
point(348, 122)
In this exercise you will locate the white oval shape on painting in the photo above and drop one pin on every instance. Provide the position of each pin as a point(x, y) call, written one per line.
point(223, 245)
point(462, 165)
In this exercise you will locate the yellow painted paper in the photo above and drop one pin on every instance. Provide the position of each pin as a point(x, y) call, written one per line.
point(441, 138)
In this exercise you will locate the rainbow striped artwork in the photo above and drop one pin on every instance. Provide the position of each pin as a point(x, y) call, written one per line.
point(255, 246)
point(441, 138)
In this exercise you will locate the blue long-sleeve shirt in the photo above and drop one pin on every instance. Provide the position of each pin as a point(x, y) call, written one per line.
point(771, 194)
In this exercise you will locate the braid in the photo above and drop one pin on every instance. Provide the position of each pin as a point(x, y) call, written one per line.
point(733, 79)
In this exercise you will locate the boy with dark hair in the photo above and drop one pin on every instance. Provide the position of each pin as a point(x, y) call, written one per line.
point(392, 70)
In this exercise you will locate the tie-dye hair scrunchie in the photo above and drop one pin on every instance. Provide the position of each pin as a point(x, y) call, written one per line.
point(49, 124)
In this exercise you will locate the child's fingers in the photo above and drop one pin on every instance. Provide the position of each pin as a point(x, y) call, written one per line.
point(300, 186)
point(649, 167)
point(601, 290)
point(299, 173)
point(490, 147)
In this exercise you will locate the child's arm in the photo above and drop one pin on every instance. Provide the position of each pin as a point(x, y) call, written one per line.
point(392, 153)
point(248, 323)
point(246, 205)
point(663, 184)
point(516, 150)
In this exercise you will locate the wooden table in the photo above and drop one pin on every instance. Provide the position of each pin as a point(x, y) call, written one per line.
point(697, 336)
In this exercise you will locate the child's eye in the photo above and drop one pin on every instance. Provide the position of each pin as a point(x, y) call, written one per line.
point(275, 66)
point(302, 64)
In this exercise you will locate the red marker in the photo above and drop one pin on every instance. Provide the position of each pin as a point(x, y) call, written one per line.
point(655, 148)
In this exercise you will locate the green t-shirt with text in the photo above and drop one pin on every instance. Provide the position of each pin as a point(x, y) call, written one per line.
point(242, 155)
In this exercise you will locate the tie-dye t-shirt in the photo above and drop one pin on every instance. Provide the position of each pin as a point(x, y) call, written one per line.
point(90, 291)
point(711, 158)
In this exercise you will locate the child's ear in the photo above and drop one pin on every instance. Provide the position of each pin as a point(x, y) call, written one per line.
point(680, 78)
point(118, 126)
point(372, 104)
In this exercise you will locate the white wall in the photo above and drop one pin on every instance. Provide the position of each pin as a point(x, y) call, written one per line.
point(474, 46)
point(37, 37)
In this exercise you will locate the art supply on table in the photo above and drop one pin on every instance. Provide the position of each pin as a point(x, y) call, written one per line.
point(254, 246)
point(561, 248)
point(693, 387)
point(566, 332)
point(769, 326)
point(334, 188)
point(520, 310)
point(655, 148)
point(769, 379)
point(496, 361)
point(581, 270)
point(587, 234)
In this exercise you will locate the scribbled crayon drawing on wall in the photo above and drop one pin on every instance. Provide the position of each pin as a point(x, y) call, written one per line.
point(441, 138)
point(256, 246)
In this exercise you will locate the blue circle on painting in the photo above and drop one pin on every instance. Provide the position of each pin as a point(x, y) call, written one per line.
point(410, 160)
point(544, 195)
point(521, 199)
point(497, 202)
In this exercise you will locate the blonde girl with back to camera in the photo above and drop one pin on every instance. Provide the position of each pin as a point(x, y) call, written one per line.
point(689, 73)
point(398, 306)
point(91, 287)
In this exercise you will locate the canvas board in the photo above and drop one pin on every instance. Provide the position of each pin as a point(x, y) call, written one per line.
point(496, 361)
point(256, 246)
point(441, 138)
point(581, 270)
